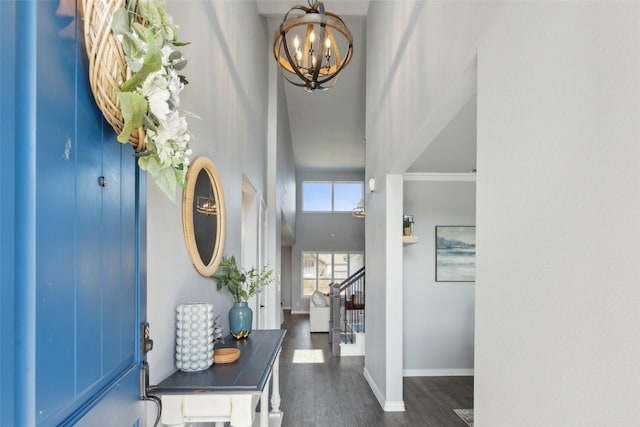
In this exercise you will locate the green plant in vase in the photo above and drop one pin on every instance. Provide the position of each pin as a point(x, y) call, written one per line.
point(242, 284)
point(407, 225)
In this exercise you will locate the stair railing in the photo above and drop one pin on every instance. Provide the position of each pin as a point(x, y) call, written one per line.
point(347, 310)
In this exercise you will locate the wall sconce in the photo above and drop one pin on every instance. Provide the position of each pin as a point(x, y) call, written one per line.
point(372, 184)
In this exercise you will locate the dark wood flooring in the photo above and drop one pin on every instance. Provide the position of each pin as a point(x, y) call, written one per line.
point(335, 393)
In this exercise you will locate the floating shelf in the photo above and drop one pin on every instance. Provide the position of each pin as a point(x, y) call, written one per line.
point(409, 240)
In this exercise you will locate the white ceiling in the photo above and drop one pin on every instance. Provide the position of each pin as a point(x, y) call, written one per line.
point(328, 127)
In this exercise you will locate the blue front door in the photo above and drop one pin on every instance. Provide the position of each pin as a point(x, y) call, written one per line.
point(73, 246)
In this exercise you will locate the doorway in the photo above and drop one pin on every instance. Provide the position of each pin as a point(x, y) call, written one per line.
point(254, 244)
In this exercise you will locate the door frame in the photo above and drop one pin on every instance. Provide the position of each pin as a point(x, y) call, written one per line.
point(250, 239)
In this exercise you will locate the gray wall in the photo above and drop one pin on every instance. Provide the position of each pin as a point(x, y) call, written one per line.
point(433, 43)
point(228, 43)
point(438, 316)
point(330, 231)
point(285, 271)
point(284, 191)
point(285, 171)
point(558, 203)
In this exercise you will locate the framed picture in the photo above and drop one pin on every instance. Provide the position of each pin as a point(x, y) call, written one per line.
point(455, 253)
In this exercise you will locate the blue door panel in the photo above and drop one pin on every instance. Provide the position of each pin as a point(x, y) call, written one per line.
point(88, 147)
point(7, 220)
point(120, 405)
point(130, 288)
point(88, 268)
point(55, 218)
point(112, 274)
point(88, 238)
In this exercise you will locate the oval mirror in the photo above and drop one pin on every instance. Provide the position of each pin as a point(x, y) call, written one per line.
point(203, 216)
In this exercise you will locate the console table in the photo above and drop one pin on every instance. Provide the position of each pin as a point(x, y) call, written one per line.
point(228, 392)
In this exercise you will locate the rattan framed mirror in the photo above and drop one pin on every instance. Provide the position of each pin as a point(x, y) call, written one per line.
point(203, 216)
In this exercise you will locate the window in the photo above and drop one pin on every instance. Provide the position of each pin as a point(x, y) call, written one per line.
point(329, 196)
point(320, 269)
point(316, 196)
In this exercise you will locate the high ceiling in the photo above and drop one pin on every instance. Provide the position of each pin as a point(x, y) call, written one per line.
point(328, 127)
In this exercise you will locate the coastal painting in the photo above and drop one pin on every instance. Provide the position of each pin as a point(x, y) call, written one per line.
point(455, 254)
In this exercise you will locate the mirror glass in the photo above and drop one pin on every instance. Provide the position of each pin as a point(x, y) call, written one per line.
point(203, 216)
point(205, 221)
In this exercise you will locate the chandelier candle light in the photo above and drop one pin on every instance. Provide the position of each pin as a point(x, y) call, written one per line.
point(307, 45)
point(207, 205)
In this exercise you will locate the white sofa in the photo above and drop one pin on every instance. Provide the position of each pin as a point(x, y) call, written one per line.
point(319, 312)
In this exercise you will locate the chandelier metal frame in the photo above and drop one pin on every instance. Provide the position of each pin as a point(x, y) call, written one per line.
point(319, 70)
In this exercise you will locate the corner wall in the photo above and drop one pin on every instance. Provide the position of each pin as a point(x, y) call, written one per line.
point(282, 189)
point(557, 293)
point(438, 316)
point(419, 75)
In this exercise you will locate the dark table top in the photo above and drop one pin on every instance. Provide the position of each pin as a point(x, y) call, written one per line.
point(248, 374)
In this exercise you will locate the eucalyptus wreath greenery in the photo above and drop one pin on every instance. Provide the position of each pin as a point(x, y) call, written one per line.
point(150, 98)
point(241, 283)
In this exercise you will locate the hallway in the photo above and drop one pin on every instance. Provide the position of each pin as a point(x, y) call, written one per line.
point(335, 393)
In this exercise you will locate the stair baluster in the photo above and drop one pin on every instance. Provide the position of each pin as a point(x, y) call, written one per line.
point(347, 315)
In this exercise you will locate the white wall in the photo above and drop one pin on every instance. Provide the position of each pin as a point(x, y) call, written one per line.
point(317, 231)
point(438, 316)
point(558, 192)
point(557, 195)
point(419, 75)
point(229, 43)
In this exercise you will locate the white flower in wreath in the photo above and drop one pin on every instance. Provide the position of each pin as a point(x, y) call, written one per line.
point(175, 86)
point(154, 89)
point(171, 138)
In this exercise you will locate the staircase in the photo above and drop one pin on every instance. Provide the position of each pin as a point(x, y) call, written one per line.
point(347, 318)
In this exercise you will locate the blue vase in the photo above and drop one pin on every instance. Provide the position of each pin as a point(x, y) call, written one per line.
point(240, 318)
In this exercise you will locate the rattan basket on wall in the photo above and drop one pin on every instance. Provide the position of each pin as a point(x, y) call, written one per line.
point(107, 66)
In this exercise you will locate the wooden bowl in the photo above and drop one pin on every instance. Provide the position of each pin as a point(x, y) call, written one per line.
point(226, 355)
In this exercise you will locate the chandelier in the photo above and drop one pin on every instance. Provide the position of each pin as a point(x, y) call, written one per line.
point(358, 210)
point(308, 45)
point(207, 205)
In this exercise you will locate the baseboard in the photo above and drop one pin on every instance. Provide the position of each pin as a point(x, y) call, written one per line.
point(387, 406)
point(374, 387)
point(394, 406)
point(286, 308)
point(299, 312)
point(437, 373)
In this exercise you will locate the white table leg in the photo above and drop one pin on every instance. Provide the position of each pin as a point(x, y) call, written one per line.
point(172, 411)
point(264, 407)
point(275, 383)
